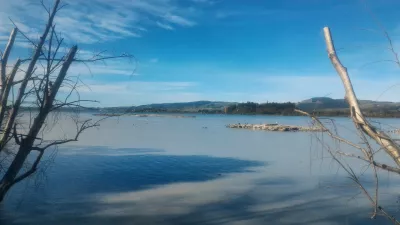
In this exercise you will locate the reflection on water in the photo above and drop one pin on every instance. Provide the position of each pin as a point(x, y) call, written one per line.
point(171, 171)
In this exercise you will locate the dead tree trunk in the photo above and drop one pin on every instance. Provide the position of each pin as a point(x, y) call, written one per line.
point(4, 58)
point(391, 147)
point(26, 144)
point(366, 152)
point(9, 178)
point(28, 74)
point(43, 88)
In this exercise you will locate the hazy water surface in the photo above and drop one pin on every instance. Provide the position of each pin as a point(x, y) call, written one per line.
point(165, 170)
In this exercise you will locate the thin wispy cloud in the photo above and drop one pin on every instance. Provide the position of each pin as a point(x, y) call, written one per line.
point(96, 20)
point(178, 20)
point(164, 25)
point(115, 69)
point(208, 2)
point(214, 49)
point(135, 92)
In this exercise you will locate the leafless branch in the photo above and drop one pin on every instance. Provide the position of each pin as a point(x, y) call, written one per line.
point(391, 147)
point(365, 158)
point(45, 7)
point(31, 171)
point(4, 58)
point(354, 177)
point(46, 73)
point(6, 91)
point(15, 134)
point(384, 32)
point(80, 129)
point(22, 33)
point(73, 103)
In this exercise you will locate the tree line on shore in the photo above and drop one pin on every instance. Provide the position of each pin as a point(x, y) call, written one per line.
point(273, 108)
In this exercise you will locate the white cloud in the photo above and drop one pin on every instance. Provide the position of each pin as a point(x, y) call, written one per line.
point(201, 1)
point(4, 38)
point(136, 92)
point(96, 20)
point(139, 87)
point(208, 2)
point(164, 26)
point(101, 69)
point(179, 20)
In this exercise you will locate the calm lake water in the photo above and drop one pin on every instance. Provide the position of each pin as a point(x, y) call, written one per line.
point(164, 170)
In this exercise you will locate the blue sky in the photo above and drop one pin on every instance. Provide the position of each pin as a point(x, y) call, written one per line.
point(227, 50)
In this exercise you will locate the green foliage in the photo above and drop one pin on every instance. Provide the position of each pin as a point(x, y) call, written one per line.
point(264, 108)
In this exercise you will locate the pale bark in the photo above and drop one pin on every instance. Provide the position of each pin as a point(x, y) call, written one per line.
point(6, 90)
point(44, 88)
point(391, 148)
point(26, 145)
point(28, 74)
point(6, 54)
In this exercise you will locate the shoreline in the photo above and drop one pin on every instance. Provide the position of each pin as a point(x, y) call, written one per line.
point(277, 127)
point(193, 115)
point(142, 115)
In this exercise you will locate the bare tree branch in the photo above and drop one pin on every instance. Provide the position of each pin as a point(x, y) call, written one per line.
point(354, 177)
point(15, 134)
point(85, 125)
point(28, 74)
point(4, 58)
point(364, 158)
point(391, 147)
point(31, 171)
point(23, 34)
point(73, 103)
point(385, 33)
point(6, 91)
point(45, 7)
point(46, 73)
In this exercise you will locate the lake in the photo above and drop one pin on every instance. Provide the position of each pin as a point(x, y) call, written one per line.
point(164, 170)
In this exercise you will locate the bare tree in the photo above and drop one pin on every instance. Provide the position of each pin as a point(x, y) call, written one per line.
point(366, 132)
point(44, 76)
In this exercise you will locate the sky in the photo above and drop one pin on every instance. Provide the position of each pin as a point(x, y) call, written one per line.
point(222, 50)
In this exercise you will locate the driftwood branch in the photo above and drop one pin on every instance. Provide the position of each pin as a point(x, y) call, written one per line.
point(5, 55)
point(366, 158)
point(6, 90)
point(391, 147)
point(350, 172)
point(365, 129)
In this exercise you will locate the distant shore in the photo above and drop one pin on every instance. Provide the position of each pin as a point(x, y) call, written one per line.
point(143, 115)
point(318, 106)
point(183, 114)
point(277, 127)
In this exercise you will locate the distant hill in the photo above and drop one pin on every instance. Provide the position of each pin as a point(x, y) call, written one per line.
point(324, 103)
point(252, 108)
point(338, 107)
point(184, 107)
point(322, 106)
point(187, 105)
point(318, 103)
